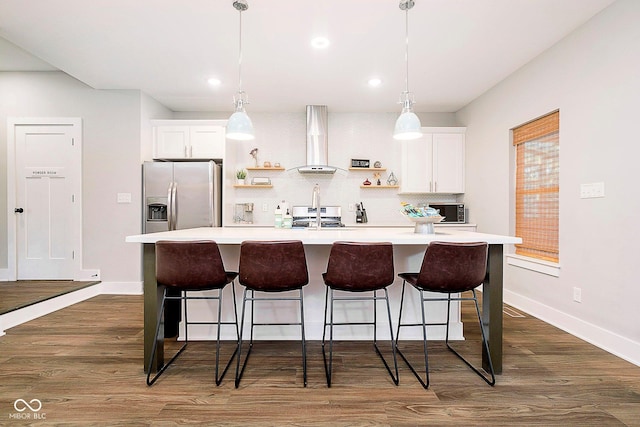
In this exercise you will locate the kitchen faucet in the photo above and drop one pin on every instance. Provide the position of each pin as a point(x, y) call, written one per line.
point(315, 203)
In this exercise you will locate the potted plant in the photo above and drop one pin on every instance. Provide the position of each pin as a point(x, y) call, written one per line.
point(241, 174)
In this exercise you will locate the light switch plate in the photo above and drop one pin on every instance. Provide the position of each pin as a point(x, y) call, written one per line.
point(124, 197)
point(592, 190)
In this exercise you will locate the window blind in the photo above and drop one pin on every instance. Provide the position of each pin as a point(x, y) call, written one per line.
point(537, 187)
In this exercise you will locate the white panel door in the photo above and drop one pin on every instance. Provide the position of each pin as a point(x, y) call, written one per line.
point(44, 202)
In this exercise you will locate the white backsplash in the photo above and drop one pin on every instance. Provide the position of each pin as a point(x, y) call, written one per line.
point(281, 137)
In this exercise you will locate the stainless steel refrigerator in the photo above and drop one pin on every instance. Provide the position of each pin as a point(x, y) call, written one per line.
point(180, 195)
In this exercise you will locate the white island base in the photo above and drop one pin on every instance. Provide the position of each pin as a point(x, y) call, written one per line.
point(409, 249)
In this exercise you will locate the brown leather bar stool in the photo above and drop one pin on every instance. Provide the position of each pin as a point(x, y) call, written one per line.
point(188, 267)
point(448, 268)
point(358, 268)
point(271, 267)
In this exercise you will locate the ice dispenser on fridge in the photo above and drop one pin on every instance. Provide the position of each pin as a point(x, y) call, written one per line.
point(156, 209)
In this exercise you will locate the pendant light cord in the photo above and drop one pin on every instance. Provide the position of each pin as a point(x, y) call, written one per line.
point(240, 55)
point(407, 50)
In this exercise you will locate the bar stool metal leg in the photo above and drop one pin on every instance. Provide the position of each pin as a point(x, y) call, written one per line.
point(491, 379)
point(329, 304)
point(161, 369)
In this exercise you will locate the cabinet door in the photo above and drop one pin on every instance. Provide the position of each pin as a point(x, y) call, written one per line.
point(170, 142)
point(207, 142)
point(416, 171)
point(448, 163)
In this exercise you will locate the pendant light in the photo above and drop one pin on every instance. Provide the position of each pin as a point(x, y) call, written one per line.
point(408, 124)
point(239, 126)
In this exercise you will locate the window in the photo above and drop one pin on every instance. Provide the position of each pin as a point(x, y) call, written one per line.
point(537, 187)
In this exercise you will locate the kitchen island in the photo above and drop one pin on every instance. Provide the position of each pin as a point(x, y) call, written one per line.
point(409, 248)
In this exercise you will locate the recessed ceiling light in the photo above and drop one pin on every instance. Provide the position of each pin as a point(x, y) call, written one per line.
point(320, 42)
point(374, 82)
point(214, 81)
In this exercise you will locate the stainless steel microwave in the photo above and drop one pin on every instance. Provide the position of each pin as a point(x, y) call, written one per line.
point(452, 212)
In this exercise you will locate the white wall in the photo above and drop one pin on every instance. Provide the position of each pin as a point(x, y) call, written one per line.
point(592, 77)
point(111, 123)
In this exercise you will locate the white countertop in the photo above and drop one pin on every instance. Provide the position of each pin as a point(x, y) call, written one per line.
point(395, 235)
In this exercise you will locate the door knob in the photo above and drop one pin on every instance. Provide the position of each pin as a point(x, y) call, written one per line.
point(18, 210)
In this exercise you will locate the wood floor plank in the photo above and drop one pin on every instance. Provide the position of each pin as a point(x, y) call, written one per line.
point(84, 363)
point(17, 294)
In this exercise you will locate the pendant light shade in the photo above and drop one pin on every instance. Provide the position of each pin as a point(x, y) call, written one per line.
point(239, 125)
point(408, 124)
point(407, 127)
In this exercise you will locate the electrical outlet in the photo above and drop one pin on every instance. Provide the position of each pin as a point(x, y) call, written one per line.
point(265, 207)
point(577, 294)
point(593, 190)
point(352, 207)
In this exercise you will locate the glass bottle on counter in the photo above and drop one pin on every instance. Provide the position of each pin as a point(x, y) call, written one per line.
point(287, 220)
point(278, 217)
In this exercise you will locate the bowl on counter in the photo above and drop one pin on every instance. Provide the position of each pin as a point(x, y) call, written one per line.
point(424, 224)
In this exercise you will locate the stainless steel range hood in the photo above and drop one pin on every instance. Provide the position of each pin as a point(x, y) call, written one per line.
point(317, 138)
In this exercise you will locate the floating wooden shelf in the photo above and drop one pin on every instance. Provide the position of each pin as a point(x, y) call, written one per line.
point(279, 168)
point(253, 186)
point(368, 169)
point(379, 186)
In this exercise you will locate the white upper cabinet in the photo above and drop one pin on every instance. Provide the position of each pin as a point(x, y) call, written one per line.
point(188, 141)
point(434, 163)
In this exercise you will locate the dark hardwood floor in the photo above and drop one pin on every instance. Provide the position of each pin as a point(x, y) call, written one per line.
point(18, 294)
point(84, 364)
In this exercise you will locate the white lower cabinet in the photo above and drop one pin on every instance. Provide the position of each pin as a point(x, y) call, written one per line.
point(188, 141)
point(434, 163)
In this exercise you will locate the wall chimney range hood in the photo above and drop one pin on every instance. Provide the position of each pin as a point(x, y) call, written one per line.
point(317, 137)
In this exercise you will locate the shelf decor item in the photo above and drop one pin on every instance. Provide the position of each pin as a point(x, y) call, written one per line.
point(392, 180)
point(376, 176)
point(360, 163)
point(254, 153)
point(241, 174)
point(260, 181)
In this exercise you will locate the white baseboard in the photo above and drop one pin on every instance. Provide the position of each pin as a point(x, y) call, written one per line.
point(22, 315)
point(121, 288)
point(613, 343)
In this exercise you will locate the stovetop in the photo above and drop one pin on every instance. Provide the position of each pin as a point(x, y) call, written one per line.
point(305, 216)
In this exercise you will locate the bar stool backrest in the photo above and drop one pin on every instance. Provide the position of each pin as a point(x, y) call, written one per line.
point(360, 267)
point(453, 267)
point(190, 265)
point(273, 266)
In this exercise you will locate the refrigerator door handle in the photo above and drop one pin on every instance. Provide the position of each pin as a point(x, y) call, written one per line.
point(174, 205)
point(170, 207)
point(211, 181)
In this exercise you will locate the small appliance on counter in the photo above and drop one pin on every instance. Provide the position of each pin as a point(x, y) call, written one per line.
point(243, 213)
point(452, 212)
point(361, 214)
point(305, 216)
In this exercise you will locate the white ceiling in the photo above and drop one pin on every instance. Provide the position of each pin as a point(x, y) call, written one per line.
point(458, 49)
